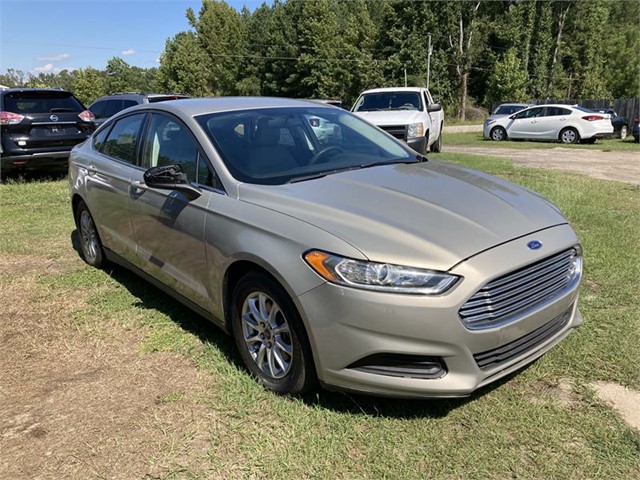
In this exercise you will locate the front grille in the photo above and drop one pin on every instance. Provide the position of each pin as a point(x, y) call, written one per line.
point(511, 295)
point(398, 131)
point(497, 356)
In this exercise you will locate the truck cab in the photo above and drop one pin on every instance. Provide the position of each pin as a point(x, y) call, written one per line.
point(407, 113)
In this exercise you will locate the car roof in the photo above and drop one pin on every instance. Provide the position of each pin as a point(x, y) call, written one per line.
point(199, 106)
point(515, 105)
point(30, 89)
point(393, 89)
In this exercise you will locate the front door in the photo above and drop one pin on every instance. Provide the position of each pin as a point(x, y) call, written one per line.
point(169, 227)
point(525, 123)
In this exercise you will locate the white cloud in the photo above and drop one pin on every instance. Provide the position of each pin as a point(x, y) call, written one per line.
point(56, 58)
point(45, 68)
point(158, 60)
point(129, 51)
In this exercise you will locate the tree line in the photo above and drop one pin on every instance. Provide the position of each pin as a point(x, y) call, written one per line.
point(483, 51)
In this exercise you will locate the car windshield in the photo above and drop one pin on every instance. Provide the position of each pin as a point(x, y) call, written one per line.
point(41, 102)
point(508, 109)
point(371, 102)
point(273, 146)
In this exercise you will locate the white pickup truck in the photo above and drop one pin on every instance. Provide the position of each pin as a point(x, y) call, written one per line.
point(407, 113)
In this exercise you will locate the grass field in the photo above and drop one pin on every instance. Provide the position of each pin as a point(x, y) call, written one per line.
point(544, 422)
point(475, 139)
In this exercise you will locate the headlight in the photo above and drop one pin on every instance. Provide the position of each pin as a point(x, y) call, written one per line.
point(489, 122)
point(415, 130)
point(383, 277)
point(575, 267)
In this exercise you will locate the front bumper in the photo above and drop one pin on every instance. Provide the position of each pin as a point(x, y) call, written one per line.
point(346, 325)
point(418, 144)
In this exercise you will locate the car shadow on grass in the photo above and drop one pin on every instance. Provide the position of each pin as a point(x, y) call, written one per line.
point(151, 297)
point(31, 177)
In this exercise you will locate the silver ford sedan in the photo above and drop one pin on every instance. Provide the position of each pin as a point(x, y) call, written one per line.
point(329, 250)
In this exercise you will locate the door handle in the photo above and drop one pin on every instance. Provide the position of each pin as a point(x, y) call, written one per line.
point(534, 121)
point(92, 170)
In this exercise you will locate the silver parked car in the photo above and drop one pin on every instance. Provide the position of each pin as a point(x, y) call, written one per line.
point(348, 259)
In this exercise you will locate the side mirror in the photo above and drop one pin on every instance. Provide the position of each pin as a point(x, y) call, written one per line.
point(434, 107)
point(512, 117)
point(171, 177)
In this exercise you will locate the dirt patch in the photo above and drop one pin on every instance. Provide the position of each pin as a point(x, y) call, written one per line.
point(618, 166)
point(544, 391)
point(76, 404)
point(624, 400)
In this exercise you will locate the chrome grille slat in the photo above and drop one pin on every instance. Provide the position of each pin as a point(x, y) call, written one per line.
point(504, 292)
point(521, 304)
point(510, 277)
point(503, 298)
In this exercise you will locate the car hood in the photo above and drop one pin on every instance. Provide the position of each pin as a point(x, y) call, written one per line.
point(391, 117)
point(495, 117)
point(430, 215)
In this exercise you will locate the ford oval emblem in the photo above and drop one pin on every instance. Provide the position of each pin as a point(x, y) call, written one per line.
point(53, 118)
point(534, 245)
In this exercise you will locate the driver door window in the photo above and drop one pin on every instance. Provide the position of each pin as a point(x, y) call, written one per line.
point(169, 142)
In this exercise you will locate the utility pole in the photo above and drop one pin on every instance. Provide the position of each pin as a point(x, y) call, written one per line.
point(405, 77)
point(429, 52)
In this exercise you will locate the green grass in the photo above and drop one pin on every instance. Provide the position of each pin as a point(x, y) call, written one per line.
point(515, 429)
point(475, 139)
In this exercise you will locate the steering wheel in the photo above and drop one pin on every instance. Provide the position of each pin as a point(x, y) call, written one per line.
point(316, 158)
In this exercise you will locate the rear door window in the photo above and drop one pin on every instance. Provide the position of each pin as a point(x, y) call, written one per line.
point(98, 109)
point(123, 138)
point(557, 111)
point(48, 101)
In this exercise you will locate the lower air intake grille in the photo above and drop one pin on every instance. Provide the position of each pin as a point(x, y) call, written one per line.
point(529, 342)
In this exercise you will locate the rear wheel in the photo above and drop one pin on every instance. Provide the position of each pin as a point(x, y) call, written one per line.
point(270, 336)
point(569, 135)
point(498, 134)
point(90, 243)
point(624, 131)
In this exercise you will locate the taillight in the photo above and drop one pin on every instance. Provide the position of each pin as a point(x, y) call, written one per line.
point(592, 118)
point(10, 118)
point(637, 121)
point(87, 116)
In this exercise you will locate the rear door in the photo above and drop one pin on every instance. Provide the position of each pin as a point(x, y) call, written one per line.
point(108, 173)
point(169, 227)
point(550, 124)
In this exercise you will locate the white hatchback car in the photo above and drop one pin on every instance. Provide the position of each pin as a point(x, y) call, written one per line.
point(564, 123)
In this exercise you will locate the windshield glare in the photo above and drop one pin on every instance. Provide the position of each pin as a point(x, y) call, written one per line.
point(277, 145)
point(372, 102)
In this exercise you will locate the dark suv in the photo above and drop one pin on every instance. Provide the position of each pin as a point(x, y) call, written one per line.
point(39, 127)
point(107, 106)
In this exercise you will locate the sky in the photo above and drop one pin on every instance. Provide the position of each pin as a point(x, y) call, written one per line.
point(52, 35)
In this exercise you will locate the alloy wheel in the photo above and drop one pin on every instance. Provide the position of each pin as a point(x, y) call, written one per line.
point(88, 235)
point(267, 335)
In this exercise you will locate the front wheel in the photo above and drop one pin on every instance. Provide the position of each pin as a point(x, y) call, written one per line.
point(569, 135)
point(498, 134)
point(437, 145)
point(90, 243)
point(270, 336)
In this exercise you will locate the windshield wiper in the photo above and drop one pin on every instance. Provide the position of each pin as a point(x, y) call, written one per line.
point(416, 159)
point(324, 174)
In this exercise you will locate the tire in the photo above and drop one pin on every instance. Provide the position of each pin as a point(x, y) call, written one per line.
point(498, 134)
point(624, 131)
point(437, 145)
point(273, 345)
point(90, 243)
point(569, 136)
